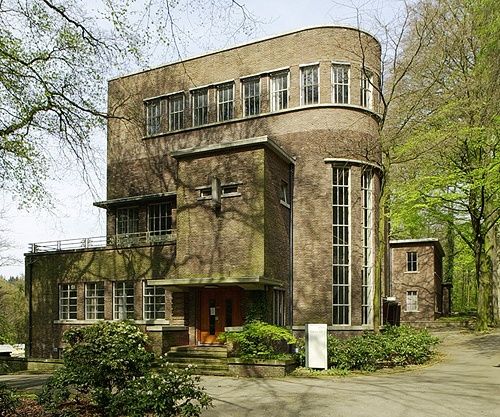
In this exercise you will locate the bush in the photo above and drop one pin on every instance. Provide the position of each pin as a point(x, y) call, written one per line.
point(108, 371)
point(8, 400)
point(395, 346)
point(259, 340)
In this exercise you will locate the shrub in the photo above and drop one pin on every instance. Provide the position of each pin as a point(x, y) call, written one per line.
point(107, 366)
point(8, 400)
point(394, 346)
point(259, 340)
point(405, 345)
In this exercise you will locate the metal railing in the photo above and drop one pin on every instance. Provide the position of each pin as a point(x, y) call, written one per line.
point(125, 240)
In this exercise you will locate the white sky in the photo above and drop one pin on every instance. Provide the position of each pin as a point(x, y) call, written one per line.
point(72, 214)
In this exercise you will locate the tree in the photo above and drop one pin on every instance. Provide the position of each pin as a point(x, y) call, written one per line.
point(55, 58)
point(446, 115)
point(109, 371)
point(13, 311)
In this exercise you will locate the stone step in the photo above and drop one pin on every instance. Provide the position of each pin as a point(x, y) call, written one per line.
point(197, 354)
point(198, 349)
point(196, 360)
point(205, 369)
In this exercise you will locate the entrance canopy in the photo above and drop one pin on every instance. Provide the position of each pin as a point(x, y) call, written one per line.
point(248, 283)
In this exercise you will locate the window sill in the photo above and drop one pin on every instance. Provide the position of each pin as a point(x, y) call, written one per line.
point(285, 204)
point(411, 272)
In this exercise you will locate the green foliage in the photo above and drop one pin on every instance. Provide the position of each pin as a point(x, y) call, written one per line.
point(257, 307)
point(8, 400)
point(259, 340)
point(14, 311)
point(108, 369)
point(395, 346)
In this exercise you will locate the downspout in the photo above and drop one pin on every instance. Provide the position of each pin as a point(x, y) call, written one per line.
point(290, 257)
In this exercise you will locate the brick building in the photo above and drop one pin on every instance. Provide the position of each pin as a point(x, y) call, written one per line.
point(417, 280)
point(242, 183)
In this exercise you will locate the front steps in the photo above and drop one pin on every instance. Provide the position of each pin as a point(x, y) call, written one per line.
point(206, 360)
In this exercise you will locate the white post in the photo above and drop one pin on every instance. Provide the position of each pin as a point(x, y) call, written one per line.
point(316, 346)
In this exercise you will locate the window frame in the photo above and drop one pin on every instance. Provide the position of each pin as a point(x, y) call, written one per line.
point(345, 87)
point(367, 195)
point(275, 94)
point(154, 120)
point(123, 309)
point(411, 301)
point(175, 112)
point(225, 105)
point(248, 99)
point(313, 86)
point(148, 314)
point(94, 300)
point(411, 261)
point(68, 297)
point(130, 221)
point(166, 218)
point(366, 89)
point(341, 246)
point(200, 114)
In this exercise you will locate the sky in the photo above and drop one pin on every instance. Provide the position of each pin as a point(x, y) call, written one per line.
point(71, 213)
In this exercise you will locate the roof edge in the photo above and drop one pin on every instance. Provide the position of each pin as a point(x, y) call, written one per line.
point(239, 45)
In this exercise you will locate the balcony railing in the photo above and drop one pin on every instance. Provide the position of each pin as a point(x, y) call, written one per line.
point(117, 241)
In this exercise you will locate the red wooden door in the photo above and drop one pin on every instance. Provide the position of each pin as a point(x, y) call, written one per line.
point(219, 308)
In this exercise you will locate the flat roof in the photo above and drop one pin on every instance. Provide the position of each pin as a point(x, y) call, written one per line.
point(216, 51)
point(428, 240)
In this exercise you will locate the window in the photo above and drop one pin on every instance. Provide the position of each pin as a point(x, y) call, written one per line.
point(176, 112)
point(154, 111)
point(67, 301)
point(154, 302)
point(279, 307)
point(225, 102)
point(200, 107)
point(94, 301)
point(127, 220)
point(228, 190)
point(309, 79)
point(367, 269)
point(366, 89)
point(411, 301)
point(123, 300)
point(160, 218)
point(341, 258)
point(251, 97)
point(411, 262)
point(279, 91)
point(340, 83)
point(284, 193)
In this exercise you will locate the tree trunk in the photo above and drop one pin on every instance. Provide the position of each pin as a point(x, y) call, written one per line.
point(484, 277)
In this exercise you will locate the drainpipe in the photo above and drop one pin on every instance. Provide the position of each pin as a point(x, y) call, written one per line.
point(290, 231)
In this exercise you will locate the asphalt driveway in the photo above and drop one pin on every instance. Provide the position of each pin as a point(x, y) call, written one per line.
point(465, 383)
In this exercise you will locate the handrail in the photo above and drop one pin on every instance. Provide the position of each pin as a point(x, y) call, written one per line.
point(118, 241)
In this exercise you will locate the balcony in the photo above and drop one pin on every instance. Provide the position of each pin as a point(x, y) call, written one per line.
point(127, 240)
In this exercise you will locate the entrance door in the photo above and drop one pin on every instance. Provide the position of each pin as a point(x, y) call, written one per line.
point(219, 308)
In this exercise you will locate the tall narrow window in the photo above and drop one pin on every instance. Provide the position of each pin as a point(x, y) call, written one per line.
point(279, 307)
point(340, 83)
point(251, 96)
point(176, 112)
point(309, 79)
point(411, 261)
point(127, 220)
point(367, 270)
point(200, 107)
point(123, 300)
point(160, 218)
point(154, 302)
point(225, 102)
point(94, 301)
point(154, 112)
point(68, 300)
point(366, 89)
point(279, 91)
point(411, 301)
point(341, 256)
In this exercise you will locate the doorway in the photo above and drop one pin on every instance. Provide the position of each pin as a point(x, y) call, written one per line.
point(219, 308)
